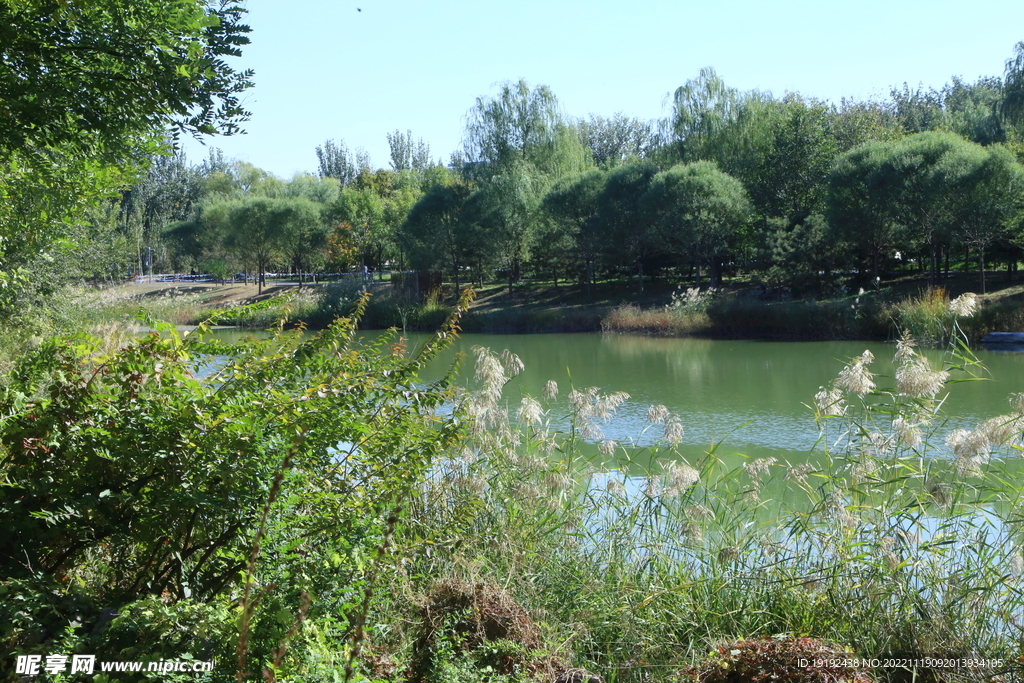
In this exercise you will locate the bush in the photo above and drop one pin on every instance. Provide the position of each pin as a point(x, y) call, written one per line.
point(161, 467)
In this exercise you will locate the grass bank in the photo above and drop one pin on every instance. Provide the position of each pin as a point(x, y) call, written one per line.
point(737, 312)
point(924, 312)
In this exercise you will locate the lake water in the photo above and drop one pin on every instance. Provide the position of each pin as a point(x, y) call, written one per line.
point(749, 393)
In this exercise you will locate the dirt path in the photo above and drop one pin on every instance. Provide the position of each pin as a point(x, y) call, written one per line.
point(213, 295)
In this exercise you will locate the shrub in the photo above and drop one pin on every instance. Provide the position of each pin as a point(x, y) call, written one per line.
point(162, 467)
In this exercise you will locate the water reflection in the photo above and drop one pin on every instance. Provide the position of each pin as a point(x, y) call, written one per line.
point(752, 394)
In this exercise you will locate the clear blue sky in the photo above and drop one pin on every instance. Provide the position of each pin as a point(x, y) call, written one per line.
point(325, 70)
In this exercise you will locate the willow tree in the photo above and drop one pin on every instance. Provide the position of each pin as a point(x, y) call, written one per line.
point(712, 121)
point(520, 126)
point(697, 210)
point(1012, 106)
point(517, 143)
point(506, 207)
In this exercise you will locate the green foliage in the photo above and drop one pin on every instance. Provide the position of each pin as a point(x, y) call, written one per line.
point(153, 466)
point(626, 228)
point(859, 204)
point(94, 76)
point(804, 257)
point(438, 235)
point(519, 126)
point(698, 210)
point(87, 90)
point(616, 140)
point(406, 154)
point(571, 207)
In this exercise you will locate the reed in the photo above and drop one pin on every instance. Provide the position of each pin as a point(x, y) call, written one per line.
point(931, 317)
point(896, 538)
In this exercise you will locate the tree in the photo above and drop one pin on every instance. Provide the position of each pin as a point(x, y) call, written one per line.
point(784, 173)
point(361, 212)
point(697, 209)
point(255, 229)
point(571, 204)
point(616, 140)
point(855, 123)
point(924, 173)
point(335, 161)
point(93, 76)
point(987, 200)
point(506, 208)
point(917, 110)
point(520, 126)
point(516, 144)
point(437, 234)
point(702, 125)
point(304, 233)
point(972, 109)
point(625, 228)
point(1012, 106)
point(407, 154)
point(88, 91)
point(169, 192)
point(860, 203)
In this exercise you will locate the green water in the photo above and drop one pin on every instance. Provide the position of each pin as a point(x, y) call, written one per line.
point(748, 395)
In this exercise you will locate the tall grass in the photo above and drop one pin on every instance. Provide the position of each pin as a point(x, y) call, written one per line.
point(122, 304)
point(931, 317)
point(735, 316)
point(686, 315)
point(894, 538)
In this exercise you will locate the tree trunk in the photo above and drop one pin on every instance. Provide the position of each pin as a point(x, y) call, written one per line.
point(981, 265)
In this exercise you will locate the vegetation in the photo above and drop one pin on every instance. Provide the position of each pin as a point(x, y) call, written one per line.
point(308, 508)
point(89, 91)
point(179, 474)
point(805, 198)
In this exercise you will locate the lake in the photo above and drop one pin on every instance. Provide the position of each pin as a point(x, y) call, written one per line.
point(749, 393)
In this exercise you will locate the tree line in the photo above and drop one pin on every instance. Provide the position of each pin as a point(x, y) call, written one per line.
point(809, 195)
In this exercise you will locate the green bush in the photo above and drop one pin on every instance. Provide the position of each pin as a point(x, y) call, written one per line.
point(179, 469)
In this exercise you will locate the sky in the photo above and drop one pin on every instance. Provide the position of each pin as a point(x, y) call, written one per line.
point(356, 70)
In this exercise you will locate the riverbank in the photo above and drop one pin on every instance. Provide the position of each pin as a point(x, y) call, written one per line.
point(739, 311)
